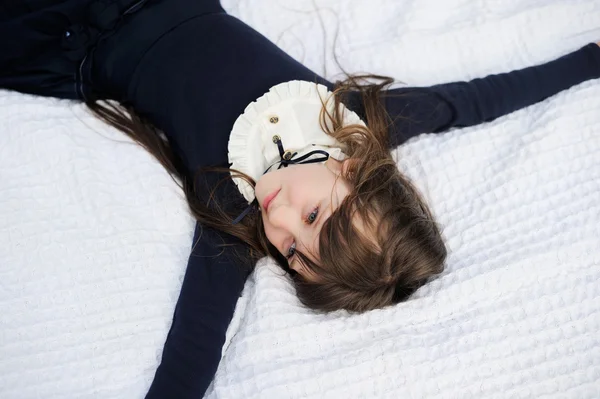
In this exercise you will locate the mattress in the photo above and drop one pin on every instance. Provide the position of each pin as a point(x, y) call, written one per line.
point(96, 235)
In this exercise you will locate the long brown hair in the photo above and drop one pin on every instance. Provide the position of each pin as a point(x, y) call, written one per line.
point(394, 251)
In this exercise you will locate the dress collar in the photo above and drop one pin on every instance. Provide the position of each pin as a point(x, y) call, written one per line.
point(286, 120)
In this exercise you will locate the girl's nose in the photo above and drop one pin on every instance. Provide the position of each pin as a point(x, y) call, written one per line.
point(283, 217)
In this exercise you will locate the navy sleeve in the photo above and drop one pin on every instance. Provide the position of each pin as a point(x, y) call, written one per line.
point(441, 107)
point(210, 290)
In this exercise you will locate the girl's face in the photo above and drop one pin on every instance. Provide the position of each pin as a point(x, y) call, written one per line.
point(296, 201)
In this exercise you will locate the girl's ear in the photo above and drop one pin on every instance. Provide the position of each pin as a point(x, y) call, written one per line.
point(347, 165)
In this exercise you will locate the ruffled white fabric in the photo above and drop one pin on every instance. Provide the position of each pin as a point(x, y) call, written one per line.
point(290, 110)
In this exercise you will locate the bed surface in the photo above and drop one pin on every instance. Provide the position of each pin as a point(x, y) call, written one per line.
point(95, 235)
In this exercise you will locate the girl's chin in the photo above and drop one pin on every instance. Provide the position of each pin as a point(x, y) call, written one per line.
point(259, 192)
point(260, 189)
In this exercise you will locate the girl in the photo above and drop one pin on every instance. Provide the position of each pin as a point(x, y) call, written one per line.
point(320, 191)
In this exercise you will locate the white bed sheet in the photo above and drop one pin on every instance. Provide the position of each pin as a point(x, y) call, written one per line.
point(95, 235)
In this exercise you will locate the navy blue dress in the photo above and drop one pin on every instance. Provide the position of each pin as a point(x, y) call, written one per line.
point(191, 69)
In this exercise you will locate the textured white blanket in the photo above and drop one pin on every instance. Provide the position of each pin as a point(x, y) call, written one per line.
point(95, 236)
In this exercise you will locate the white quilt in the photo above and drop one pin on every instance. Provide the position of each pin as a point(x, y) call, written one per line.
point(95, 235)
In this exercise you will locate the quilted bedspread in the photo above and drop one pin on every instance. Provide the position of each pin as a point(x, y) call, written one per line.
point(95, 236)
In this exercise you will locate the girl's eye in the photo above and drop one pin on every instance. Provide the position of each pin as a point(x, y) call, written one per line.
point(310, 219)
point(292, 250)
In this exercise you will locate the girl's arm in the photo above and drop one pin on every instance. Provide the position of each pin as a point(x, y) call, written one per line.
point(441, 107)
point(212, 285)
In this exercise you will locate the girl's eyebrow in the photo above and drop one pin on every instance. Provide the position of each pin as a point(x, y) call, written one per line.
point(326, 211)
point(323, 216)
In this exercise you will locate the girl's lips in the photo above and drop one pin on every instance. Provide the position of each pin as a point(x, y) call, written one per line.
point(270, 198)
